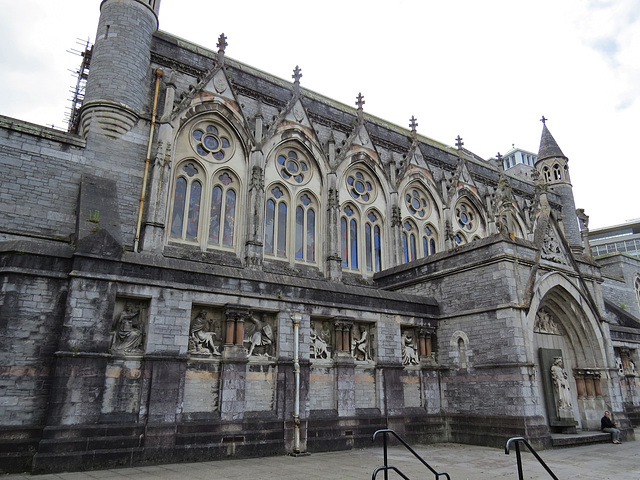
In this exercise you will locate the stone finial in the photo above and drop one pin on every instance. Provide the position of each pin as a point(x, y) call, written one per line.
point(459, 142)
point(544, 120)
point(222, 45)
point(413, 123)
point(297, 75)
point(360, 101)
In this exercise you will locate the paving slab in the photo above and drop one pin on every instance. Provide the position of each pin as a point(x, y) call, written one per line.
point(462, 462)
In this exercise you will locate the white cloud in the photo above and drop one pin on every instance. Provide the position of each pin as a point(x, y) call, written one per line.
point(485, 70)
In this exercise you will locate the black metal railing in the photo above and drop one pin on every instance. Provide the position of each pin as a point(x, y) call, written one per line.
point(517, 441)
point(388, 467)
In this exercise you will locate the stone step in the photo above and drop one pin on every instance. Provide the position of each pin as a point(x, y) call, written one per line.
point(579, 439)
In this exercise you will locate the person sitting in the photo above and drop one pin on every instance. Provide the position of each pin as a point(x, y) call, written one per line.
point(608, 426)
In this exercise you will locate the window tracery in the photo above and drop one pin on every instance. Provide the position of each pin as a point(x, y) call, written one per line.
point(361, 186)
point(204, 205)
point(419, 238)
point(212, 142)
point(466, 216)
point(294, 167)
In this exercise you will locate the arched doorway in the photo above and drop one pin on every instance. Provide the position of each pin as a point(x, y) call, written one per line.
point(569, 348)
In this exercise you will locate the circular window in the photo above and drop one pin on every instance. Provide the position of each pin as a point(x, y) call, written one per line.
point(416, 202)
point(212, 142)
point(466, 217)
point(361, 186)
point(293, 167)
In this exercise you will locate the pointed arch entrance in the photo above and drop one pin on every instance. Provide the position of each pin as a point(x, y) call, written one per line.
point(570, 352)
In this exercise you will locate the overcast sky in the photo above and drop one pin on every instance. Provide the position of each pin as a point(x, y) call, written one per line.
point(484, 70)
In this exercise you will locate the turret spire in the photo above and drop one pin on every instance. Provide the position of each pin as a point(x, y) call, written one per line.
point(548, 146)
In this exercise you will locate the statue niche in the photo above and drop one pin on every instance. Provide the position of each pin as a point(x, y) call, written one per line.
point(409, 348)
point(260, 337)
point(203, 334)
point(129, 327)
point(361, 343)
point(557, 391)
point(320, 340)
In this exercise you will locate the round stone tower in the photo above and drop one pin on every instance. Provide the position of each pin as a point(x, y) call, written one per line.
point(553, 168)
point(117, 87)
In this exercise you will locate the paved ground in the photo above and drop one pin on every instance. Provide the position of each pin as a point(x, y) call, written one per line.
point(461, 462)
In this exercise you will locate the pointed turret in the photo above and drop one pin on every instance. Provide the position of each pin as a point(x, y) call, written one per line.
point(553, 167)
point(548, 145)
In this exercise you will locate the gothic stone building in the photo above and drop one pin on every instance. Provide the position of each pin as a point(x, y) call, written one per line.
point(216, 262)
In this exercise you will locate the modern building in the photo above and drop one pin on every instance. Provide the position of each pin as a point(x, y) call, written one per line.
point(216, 263)
point(624, 238)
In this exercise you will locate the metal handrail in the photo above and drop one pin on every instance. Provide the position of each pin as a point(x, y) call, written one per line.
point(517, 441)
point(388, 467)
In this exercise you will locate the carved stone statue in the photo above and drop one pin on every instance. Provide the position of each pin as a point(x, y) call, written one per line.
point(128, 336)
point(360, 346)
point(200, 339)
point(551, 246)
point(545, 324)
point(319, 347)
point(409, 351)
point(262, 335)
point(561, 383)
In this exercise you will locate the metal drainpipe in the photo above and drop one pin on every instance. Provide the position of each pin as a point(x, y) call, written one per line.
point(296, 317)
point(158, 72)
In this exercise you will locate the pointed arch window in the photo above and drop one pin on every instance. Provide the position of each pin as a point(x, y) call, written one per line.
point(557, 172)
point(637, 288)
point(428, 240)
point(546, 173)
point(223, 210)
point(373, 247)
point(349, 237)
point(409, 241)
point(306, 229)
point(418, 231)
point(276, 223)
point(187, 198)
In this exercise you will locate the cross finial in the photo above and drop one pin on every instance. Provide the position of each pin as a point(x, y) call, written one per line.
point(459, 142)
point(544, 120)
point(360, 101)
point(413, 124)
point(297, 74)
point(499, 156)
point(222, 43)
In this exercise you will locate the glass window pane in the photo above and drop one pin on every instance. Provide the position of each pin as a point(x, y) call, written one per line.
point(216, 208)
point(299, 231)
point(311, 235)
point(229, 218)
point(178, 207)
point(343, 242)
point(405, 247)
point(377, 245)
point(282, 230)
point(353, 233)
point(412, 241)
point(425, 247)
point(268, 230)
point(368, 247)
point(194, 211)
point(433, 246)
